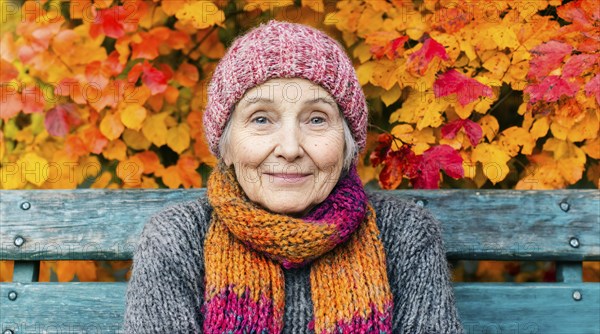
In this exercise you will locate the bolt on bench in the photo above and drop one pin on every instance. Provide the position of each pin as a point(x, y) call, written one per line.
point(85, 224)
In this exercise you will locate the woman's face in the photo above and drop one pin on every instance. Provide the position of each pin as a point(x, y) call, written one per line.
point(286, 142)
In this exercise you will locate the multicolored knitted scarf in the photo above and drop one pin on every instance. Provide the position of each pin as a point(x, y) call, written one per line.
point(246, 246)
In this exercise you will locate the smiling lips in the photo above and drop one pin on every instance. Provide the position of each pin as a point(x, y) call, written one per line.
point(287, 177)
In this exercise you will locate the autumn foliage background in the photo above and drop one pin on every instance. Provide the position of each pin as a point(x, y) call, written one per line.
point(484, 94)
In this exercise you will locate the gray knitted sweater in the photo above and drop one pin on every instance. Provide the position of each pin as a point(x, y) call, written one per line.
point(166, 288)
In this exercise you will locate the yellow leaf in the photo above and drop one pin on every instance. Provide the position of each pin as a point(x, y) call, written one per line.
point(266, 5)
point(65, 171)
point(10, 177)
point(592, 148)
point(130, 171)
point(155, 129)
point(172, 7)
point(34, 168)
point(570, 169)
point(149, 183)
point(489, 125)
point(504, 37)
point(493, 160)
point(403, 132)
point(171, 178)
point(133, 115)
point(564, 150)
point(364, 72)
point(416, 26)
point(517, 73)
point(469, 166)
point(559, 131)
point(451, 45)
point(115, 150)
point(383, 74)
point(111, 126)
point(362, 52)
point(422, 108)
point(392, 95)
point(155, 15)
point(464, 112)
point(135, 140)
point(370, 21)
point(497, 65)
point(587, 128)
point(540, 127)
point(316, 5)
point(514, 137)
point(102, 181)
point(201, 14)
point(178, 138)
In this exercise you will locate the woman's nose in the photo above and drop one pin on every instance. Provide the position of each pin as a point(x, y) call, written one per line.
point(289, 146)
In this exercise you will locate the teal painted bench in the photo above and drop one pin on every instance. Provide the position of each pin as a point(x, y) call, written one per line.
point(561, 226)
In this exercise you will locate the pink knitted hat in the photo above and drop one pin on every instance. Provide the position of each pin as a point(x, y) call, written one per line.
point(284, 50)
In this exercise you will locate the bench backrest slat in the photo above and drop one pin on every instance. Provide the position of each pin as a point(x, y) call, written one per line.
point(485, 308)
point(486, 224)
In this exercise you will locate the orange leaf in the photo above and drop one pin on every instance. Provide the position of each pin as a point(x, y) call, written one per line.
point(186, 166)
point(171, 178)
point(111, 126)
point(150, 161)
point(10, 101)
point(187, 75)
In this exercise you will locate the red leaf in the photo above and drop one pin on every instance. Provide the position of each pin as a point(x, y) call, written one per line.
point(59, 119)
point(435, 158)
point(134, 73)
point(95, 75)
point(152, 77)
point(578, 64)
point(593, 87)
point(10, 101)
point(398, 164)
point(94, 140)
point(112, 65)
point(114, 21)
point(156, 80)
point(391, 175)
point(418, 62)
point(472, 129)
point(8, 72)
point(390, 50)
point(33, 100)
point(581, 12)
point(147, 48)
point(547, 57)
point(466, 89)
point(550, 89)
point(384, 143)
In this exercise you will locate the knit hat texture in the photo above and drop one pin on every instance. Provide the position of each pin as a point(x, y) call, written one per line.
point(281, 49)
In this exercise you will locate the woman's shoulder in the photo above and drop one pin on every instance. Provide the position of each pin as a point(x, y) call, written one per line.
point(400, 219)
point(182, 221)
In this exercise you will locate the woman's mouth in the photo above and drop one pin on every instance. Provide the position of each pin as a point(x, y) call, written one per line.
point(287, 177)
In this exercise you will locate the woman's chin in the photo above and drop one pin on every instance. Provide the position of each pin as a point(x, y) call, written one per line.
point(287, 204)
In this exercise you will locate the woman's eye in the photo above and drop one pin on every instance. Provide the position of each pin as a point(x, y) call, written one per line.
point(260, 120)
point(317, 120)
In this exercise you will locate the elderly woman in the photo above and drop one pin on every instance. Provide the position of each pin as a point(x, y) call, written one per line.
point(287, 240)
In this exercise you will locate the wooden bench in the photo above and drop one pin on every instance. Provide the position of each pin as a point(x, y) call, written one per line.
point(561, 226)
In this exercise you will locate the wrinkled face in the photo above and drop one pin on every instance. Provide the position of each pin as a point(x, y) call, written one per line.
point(286, 142)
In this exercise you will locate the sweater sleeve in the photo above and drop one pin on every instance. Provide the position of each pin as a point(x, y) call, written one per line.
point(418, 270)
point(427, 304)
point(166, 287)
